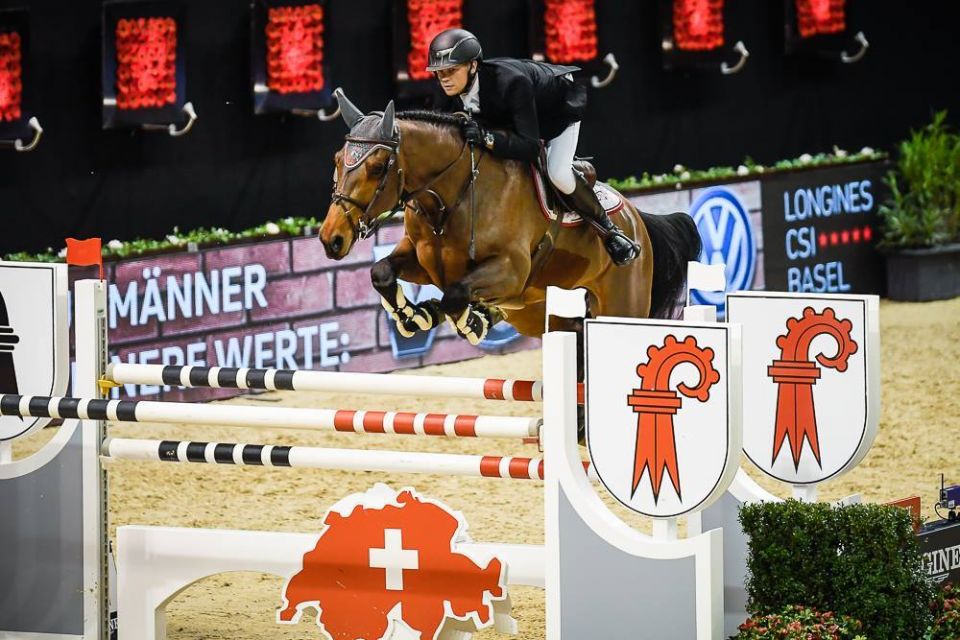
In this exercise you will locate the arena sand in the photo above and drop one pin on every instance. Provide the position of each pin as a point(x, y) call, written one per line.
point(919, 428)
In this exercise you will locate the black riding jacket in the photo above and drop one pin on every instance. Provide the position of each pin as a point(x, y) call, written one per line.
point(524, 102)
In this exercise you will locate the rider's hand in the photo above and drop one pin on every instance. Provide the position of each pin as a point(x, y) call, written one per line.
point(473, 132)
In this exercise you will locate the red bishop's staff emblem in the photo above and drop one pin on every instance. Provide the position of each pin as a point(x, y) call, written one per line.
point(656, 404)
point(795, 374)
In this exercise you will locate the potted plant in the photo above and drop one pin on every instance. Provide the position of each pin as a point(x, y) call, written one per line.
point(922, 216)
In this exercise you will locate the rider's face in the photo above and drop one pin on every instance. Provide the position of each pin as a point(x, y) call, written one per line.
point(454, 80)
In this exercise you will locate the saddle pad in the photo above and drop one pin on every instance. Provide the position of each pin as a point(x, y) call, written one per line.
point(611, 200)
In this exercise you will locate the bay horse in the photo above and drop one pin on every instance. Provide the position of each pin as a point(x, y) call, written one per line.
point(472, 226)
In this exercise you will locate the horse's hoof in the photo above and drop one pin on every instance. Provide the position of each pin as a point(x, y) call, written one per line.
point(402, 330)
point(473, 324)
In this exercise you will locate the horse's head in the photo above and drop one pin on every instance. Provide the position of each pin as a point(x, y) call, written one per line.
point(366, 179)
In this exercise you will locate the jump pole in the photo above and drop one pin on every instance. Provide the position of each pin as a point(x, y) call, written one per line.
point(448, 464)
point(392, 422)
point(325, 381)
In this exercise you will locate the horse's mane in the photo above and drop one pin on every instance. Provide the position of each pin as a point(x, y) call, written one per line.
point(432, 117)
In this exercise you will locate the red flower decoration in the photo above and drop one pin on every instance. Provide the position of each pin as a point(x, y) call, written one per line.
point(698, 24)
point(427, 18)
point(817, 17)
point(570, 27)
point(11, 81)
point(295, 49)
point(146, 62)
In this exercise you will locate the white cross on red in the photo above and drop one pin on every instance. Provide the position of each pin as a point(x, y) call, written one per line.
point(394, 559)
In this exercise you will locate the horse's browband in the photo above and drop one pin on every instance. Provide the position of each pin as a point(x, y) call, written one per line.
point(394, 142)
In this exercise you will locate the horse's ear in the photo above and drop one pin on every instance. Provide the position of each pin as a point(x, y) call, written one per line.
point(351, 115)
point(387, 123)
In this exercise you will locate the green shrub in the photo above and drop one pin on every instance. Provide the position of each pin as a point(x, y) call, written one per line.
point(800, 623)
point(924, 205)
point(946, 613)
point(861, 561)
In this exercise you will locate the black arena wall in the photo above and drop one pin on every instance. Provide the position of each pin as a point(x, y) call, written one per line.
point(237, 170)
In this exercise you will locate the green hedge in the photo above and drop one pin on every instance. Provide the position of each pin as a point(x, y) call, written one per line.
point(178, 240)
point(800, 623)
point(861, 561)
point(924, 205)
point(946, 613)
point(682, 176)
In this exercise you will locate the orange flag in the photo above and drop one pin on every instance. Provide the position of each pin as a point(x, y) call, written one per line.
point(85, 252)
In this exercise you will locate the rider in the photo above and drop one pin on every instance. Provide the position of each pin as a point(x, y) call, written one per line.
point(524, 102)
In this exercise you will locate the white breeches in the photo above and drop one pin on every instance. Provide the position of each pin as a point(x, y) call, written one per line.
point(560, 152)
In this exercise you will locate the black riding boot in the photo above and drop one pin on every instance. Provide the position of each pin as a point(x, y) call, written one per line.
point(622, 249)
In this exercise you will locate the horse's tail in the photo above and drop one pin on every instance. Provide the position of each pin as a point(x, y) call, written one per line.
point(675, 241)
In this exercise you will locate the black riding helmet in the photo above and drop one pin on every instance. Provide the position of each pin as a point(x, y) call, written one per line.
point(452, 47)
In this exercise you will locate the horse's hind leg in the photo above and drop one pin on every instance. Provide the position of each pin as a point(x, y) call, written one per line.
point(471, 303)
point(409, 317)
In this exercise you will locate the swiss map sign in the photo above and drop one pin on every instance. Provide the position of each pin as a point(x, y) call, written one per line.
point(388, 566)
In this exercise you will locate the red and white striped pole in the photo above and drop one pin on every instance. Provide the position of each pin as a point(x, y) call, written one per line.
point(510, 467)
point(342, 420)
point(326, 381)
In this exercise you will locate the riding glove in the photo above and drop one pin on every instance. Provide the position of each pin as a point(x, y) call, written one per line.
point(473, 132)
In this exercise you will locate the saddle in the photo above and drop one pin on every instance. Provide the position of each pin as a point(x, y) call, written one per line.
point(555, 209)
point(552, 202)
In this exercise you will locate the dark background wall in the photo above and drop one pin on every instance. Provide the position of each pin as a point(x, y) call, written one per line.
point(236, 169)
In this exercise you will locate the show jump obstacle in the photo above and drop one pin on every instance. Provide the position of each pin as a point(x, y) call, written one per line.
point(665, 431)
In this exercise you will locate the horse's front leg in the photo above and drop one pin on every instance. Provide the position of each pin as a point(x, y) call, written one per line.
point(472, 303)
point(408, 316)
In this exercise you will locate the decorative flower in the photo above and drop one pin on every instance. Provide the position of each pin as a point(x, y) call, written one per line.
point(174, 240)
point(743, 170)
point(115, 245)
point(816, 17)
point(294, 43)
point(570, 27)
point(146, 62)
point(678, 168)
point(698, 24)
point(840, 153)
point(11, 80)
point(867, 151)
point(685, 175)
point(806, 158)
point(272, 228)
point(427, 18)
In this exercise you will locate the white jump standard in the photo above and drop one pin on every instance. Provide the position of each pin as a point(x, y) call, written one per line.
point(342, 420)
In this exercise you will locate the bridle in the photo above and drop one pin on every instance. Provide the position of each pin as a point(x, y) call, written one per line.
point(365, 147)
point(364, 229)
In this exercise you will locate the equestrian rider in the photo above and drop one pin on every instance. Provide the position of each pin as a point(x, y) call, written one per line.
point(523, 102)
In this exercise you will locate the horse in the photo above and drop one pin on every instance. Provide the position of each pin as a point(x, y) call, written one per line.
point(473, 227)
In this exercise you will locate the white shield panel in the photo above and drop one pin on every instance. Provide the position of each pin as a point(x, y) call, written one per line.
point(811, 381)
point(663, 411)
point(34, 338)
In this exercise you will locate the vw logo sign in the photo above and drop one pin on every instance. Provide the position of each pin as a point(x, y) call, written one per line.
point(727, 236)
